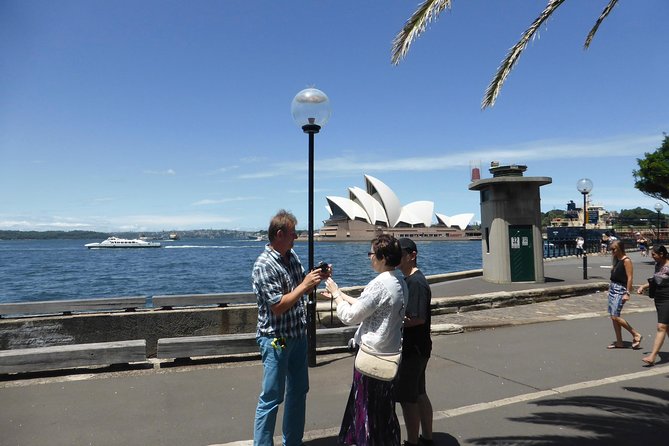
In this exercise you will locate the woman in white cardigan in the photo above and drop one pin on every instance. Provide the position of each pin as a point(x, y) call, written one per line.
point(369, 417)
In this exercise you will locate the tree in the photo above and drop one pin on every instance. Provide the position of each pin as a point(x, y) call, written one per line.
point(652, 177)
point(637, 214)
point(429, 10)
point(551, 215)
point(639, 217)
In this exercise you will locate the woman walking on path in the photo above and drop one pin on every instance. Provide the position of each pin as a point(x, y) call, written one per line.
point(369, 417)
point(621, 282)
point(661, 297)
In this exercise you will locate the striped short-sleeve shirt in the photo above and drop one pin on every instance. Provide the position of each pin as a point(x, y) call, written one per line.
point(272, 278)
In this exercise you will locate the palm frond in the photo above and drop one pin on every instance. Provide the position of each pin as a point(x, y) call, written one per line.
point(601, 18)
point(514, 53)
point(415, 26)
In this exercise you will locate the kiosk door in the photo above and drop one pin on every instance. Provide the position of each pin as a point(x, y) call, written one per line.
point(521, 252)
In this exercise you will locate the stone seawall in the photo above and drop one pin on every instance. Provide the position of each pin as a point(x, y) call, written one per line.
point(154, 324)
point(150, 325)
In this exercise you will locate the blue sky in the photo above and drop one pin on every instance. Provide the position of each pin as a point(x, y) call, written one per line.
point(161, 115)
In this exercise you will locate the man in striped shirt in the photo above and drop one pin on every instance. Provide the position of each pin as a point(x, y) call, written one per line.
point(280, 285)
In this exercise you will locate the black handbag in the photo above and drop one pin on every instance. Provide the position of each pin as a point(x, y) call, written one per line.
point(652, 287)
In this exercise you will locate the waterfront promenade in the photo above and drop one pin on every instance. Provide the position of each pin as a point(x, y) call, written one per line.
point(517, 381)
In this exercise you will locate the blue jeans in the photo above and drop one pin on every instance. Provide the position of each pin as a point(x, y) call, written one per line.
point(284, 373)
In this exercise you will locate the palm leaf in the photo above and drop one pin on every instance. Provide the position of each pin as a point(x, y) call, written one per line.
point(514, 53)
point(415, 26)
point(601, 18)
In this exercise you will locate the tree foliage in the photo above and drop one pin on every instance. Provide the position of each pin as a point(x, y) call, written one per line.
point(550, 215)
point(637, 214)
point(429, 10)
point(652, 177)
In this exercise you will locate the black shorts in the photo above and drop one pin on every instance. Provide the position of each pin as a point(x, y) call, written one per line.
point(411, 378)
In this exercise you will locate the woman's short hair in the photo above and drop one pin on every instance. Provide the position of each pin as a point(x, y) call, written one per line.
point(387, 247)
point(280, 222)
point(661, 251)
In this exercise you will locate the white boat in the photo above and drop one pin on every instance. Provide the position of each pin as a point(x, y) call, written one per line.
point(115, 242)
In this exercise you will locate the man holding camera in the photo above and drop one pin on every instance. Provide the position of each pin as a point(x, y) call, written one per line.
point(280, 285)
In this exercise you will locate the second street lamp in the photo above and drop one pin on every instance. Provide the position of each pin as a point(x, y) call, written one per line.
point(584, 186)
point(311, 110)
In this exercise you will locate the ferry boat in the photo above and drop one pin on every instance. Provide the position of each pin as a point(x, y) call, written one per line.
point(115, 242)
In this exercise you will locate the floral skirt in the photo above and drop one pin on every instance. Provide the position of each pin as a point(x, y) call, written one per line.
point(369, 417)
point(616, 302)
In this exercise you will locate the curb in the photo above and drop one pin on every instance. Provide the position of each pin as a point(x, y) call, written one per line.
point(499, 299)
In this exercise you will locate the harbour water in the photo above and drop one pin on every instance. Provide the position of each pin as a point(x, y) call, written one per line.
point(36, 270)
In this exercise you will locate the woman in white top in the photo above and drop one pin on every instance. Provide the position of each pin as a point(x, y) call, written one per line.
point(369, 417)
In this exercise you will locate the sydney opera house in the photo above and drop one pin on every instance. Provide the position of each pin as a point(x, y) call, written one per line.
point(367, 213)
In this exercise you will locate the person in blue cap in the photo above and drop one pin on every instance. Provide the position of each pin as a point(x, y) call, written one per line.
point(416, 349)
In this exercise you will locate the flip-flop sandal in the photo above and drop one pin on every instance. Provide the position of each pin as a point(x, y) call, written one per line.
point(636, 344)
point(614, 345)
point(648, 363)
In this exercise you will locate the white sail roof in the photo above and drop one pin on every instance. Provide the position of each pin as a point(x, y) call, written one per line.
point(385, 195)
point(460, 220)
point(375, 212)
point(345, 207)
point(417, 213)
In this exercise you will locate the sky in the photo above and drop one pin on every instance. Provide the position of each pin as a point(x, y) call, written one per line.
point(160, 115)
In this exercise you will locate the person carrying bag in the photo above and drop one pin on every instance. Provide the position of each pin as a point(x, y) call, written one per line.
point(370, 417)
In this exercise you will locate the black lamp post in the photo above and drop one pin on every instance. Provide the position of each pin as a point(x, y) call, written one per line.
point(658, 208)
point(311, 110)
point(584, 186)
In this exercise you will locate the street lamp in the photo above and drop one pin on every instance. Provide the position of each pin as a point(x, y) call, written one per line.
point(311, 110)
point(584, 186)
point(658, 208)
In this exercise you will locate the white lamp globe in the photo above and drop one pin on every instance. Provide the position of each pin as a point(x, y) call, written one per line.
point(310, 106)
point(658, 207)
point(584, 185)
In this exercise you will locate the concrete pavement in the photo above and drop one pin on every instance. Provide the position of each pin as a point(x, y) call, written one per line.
point(560, 274)
point(516, 382)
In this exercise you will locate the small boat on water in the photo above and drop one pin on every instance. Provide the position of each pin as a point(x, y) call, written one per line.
point(174, 236)
point(115, 242)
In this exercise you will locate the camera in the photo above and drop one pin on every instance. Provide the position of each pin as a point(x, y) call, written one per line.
point(324, 267)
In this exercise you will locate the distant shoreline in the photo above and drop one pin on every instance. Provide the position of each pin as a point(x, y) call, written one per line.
point(88, 235)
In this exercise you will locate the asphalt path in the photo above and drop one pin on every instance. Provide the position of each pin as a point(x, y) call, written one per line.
point(545, 380)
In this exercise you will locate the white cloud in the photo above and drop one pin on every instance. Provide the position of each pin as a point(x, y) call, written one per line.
point(222, 170)
point(209, 202)
point(118, 223)
point(42, 225)
point(254, 159)
point(622, 146)
point(15, 224)
point(102, 200)
point(160, 172)
point(63, 225)
point(164, 222)
point(277, 171)
point(305, 191)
